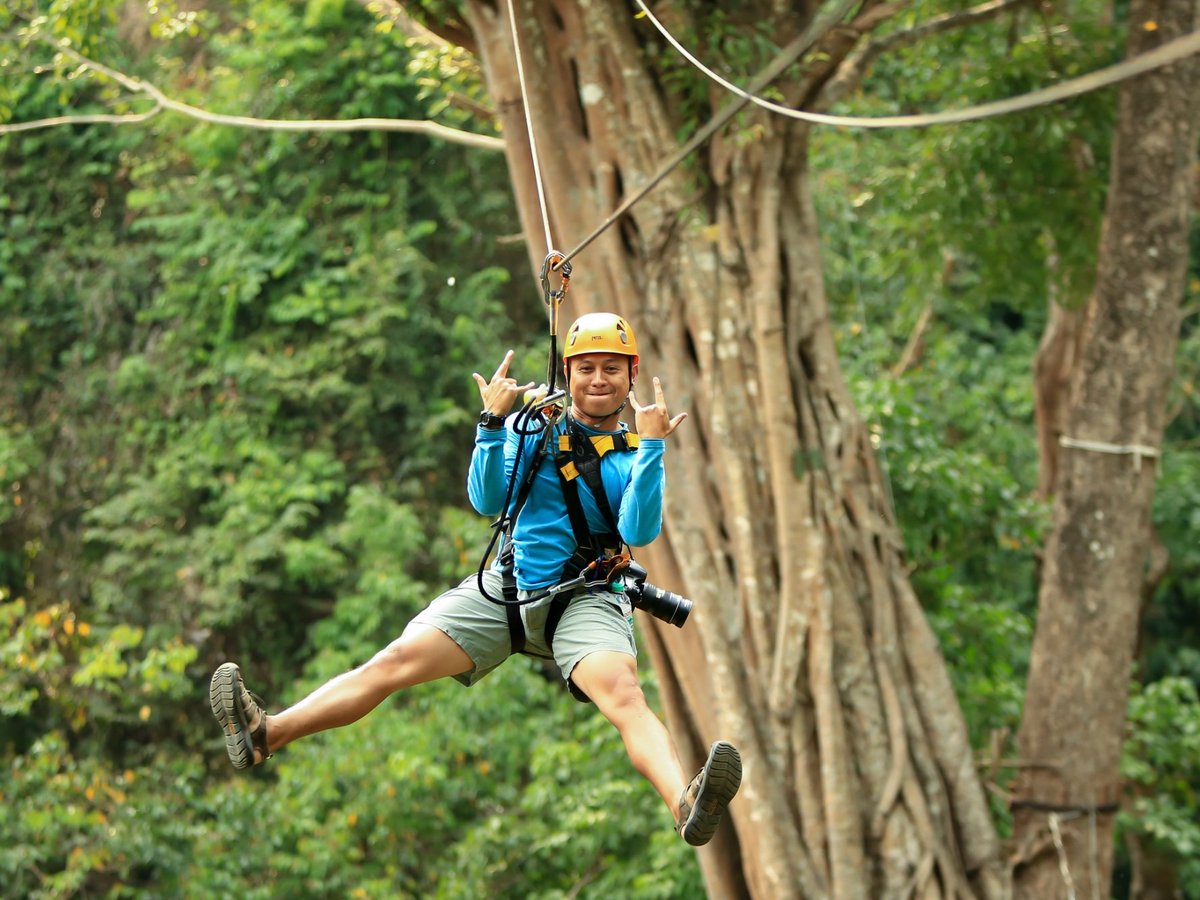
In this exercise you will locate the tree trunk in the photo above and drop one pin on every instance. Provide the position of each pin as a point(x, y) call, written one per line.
point(1097, 550)
point(807, 648)
point(1054, 364)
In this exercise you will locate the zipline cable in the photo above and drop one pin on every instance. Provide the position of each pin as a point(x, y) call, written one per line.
point(533, 153)
point(786, 57)
point(1167, 53)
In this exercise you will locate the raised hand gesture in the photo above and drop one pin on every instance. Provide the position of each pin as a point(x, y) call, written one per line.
point(501, 392)
point(652, 421)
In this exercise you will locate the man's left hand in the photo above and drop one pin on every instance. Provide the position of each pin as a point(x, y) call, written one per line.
point(653, 421)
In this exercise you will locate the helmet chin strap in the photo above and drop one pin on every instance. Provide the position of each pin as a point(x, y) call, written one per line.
point(616, 411)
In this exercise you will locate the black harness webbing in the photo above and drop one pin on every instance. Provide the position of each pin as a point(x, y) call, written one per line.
point(512, 609)
point(512, 605)
point(578, 455)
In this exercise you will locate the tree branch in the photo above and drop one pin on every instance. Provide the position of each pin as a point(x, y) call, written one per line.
point(138, 86)
point(454, 33)
point(916, 343)
point(393, 12)
point(96, 119)
point(855, 67)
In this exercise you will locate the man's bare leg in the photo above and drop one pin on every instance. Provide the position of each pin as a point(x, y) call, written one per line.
point(422, 653)
point(610, 680)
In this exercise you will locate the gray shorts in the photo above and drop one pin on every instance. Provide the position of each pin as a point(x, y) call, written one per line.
point(592, 621)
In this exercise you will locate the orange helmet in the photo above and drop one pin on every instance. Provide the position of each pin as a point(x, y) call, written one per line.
point(600, 333)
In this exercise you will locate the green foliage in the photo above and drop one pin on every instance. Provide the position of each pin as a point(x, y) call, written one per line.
point(376, 532)
point(1161, 763)
point(982, 225)
point(1171, 620)
point(974, 227)
point(235, 417)
point(954, 436)
point(17, 460)
point(583, 815)
point(990, 217)
point(235, 413)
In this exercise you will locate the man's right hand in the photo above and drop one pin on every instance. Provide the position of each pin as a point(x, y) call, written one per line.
point(501, 392)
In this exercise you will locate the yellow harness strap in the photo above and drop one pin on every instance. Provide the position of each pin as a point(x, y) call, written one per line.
point(603, 444)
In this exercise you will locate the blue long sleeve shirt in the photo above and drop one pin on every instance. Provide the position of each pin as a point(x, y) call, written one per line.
point(543, 539)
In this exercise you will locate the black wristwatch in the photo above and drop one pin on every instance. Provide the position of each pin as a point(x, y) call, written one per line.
point(490, 420)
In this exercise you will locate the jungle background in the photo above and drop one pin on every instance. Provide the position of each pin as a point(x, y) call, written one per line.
point(236, 411)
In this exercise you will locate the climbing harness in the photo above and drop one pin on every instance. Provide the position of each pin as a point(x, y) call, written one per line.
point(579, 456)
point(590, 566)
point(596, 556)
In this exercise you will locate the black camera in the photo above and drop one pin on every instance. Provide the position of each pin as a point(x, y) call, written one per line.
point(666, 605)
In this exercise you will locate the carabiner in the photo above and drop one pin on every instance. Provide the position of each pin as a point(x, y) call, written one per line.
point(555, 261)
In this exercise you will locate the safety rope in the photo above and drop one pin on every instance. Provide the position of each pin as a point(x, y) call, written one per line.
point(533, 152)
point(554, 262)
point(1167, 53)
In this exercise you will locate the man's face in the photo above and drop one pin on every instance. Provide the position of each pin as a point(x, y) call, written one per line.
point(599, 382)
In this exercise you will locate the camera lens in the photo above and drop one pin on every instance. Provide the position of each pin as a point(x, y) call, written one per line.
point(666, 605)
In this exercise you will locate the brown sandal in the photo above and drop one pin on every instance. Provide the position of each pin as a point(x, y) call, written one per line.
point(704, 800)
point(235, 708)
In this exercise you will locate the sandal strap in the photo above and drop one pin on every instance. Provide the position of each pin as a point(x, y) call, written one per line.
point(687, 800)
point(259, 735)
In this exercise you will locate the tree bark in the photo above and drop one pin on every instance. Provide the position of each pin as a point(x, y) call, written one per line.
point(807, 648)
point(1096, 553)
point(1054, 364)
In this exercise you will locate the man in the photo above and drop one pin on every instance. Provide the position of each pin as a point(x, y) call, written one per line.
point(470, 630)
